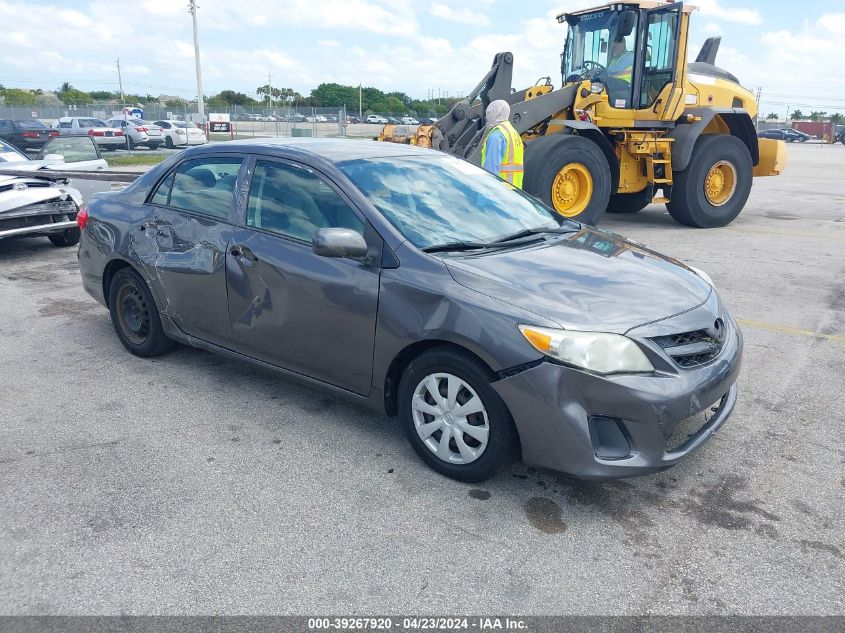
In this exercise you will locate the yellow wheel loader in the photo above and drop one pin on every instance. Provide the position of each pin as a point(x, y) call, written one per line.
point(632, 124)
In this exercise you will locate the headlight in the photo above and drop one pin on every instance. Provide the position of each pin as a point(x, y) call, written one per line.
point(702, 274)
point(597, 351)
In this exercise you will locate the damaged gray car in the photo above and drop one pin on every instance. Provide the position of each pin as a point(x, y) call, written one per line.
point(428, 289)
point(35, 202)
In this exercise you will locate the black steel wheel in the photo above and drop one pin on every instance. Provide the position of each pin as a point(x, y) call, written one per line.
point(134, 315)
point(68, 237)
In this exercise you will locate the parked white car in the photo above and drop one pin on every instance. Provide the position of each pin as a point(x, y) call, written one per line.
point(138, 132)
point(105, 136)
point(409, 120)
point(375, 118)
point(181, 133)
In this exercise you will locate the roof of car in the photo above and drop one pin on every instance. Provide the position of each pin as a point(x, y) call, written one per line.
point(332, 149)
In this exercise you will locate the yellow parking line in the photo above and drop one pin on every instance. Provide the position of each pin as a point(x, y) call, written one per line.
point(787, 329)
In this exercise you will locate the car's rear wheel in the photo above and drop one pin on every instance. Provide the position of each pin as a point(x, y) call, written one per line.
point(453, 418)
point(154, 146)
point(168, 142)
point(134, 315)
point(68, 237)
point(131, 143)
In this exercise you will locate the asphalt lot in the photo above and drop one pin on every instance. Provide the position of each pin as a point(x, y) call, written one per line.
point(191, 484)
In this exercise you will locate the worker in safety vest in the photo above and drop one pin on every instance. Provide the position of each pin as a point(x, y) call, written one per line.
point(620, 66)
point(502, 152)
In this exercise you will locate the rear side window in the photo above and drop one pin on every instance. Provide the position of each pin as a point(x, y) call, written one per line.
point(205, 186)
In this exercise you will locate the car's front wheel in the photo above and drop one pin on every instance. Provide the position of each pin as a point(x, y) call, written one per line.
point(453, 418)
point(134, 315)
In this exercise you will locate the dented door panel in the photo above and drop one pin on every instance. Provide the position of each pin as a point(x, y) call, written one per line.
point(184, 258)
point(309, 314)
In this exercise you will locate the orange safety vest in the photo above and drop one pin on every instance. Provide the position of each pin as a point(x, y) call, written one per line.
point(511, 167)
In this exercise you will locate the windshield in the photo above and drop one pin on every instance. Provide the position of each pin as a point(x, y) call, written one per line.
point(31, 125)
point(436, 200)
point(9, 154)
point(596, 51)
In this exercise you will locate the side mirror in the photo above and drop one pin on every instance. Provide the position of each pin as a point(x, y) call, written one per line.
point(336, 242)
point(627, 22)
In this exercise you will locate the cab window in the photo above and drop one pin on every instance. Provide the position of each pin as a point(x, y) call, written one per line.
point(293, 202)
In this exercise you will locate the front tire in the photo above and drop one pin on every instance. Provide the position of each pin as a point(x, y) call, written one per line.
point(570, 174)
point(714, 187)
point(134, 315)
point(453, 418)
point(68, 237)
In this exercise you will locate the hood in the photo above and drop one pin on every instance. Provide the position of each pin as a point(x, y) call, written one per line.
point(590, 280)
point(18, 193)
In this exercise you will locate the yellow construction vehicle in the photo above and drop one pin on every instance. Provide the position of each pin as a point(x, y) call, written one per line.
point(632, 124)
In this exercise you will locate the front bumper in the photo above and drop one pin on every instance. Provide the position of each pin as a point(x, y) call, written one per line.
point(558, 411)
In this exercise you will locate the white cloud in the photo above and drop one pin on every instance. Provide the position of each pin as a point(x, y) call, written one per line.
point(740, 15)
point(711, 28)
point(328, 43)
point(465, 15)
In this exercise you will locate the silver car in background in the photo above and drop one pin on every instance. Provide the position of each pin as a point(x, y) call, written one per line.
point(181, 133)
point(105, 136)
point(138, 132)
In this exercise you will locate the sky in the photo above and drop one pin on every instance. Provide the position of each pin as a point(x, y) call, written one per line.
point(794, 51)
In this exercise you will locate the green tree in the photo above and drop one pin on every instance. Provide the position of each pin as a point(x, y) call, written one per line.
point(17, 97)
point(69, 95)
point(836, 118)
point(771, 116)
point(817, 115)
point(797, 115)
point(231, 98)
point(102, 95)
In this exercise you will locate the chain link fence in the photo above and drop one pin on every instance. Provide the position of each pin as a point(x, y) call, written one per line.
point(255, 122)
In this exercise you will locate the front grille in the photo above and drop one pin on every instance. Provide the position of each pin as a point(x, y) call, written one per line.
point(692, 349)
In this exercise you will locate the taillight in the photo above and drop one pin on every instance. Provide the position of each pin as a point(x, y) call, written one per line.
point(82, 218)
point(140, 129)
point(29, 134)
point(96, 133)
point(119, 133)
point(54, 133)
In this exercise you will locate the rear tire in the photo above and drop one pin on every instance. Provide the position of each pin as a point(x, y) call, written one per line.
point(560, 168)
point(714, 187)
point(630, 202)
point(134, 315)
point(480, 437)
point(168, 142)
point(68, 237)
point(130, 142)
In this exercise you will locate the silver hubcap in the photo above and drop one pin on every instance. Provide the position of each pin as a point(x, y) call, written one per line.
point(450, 418)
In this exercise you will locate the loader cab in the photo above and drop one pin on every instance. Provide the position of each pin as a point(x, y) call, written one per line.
point(627, 51)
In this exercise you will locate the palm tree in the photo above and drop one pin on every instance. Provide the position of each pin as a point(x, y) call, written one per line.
point(797, 115)
point(772, 117)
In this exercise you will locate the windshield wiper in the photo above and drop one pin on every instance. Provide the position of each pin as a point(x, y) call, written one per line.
point(537, 231)
point(457, 246)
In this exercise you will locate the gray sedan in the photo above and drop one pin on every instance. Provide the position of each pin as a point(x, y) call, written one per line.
point(427, 288)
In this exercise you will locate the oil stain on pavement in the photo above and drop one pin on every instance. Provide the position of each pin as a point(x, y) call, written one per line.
point(545, 515)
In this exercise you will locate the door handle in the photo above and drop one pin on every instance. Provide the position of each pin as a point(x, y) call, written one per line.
point(242, 252)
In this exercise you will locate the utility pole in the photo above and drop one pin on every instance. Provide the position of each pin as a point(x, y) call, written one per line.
point(120, 81)
point(270, 87)
point(192, 9)
point(360, 102)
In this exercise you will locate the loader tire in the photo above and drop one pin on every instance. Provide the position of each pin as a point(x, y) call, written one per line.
point(570, 174)
point(630, 202)
point(714, 187)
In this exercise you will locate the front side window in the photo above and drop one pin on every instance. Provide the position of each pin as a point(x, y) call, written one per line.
point(294, 202)
point(598, 49)
point(205, 185)
point(659, 62)
point(466, 204)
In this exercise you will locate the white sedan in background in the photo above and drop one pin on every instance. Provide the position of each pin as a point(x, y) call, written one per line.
point(181, 133)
